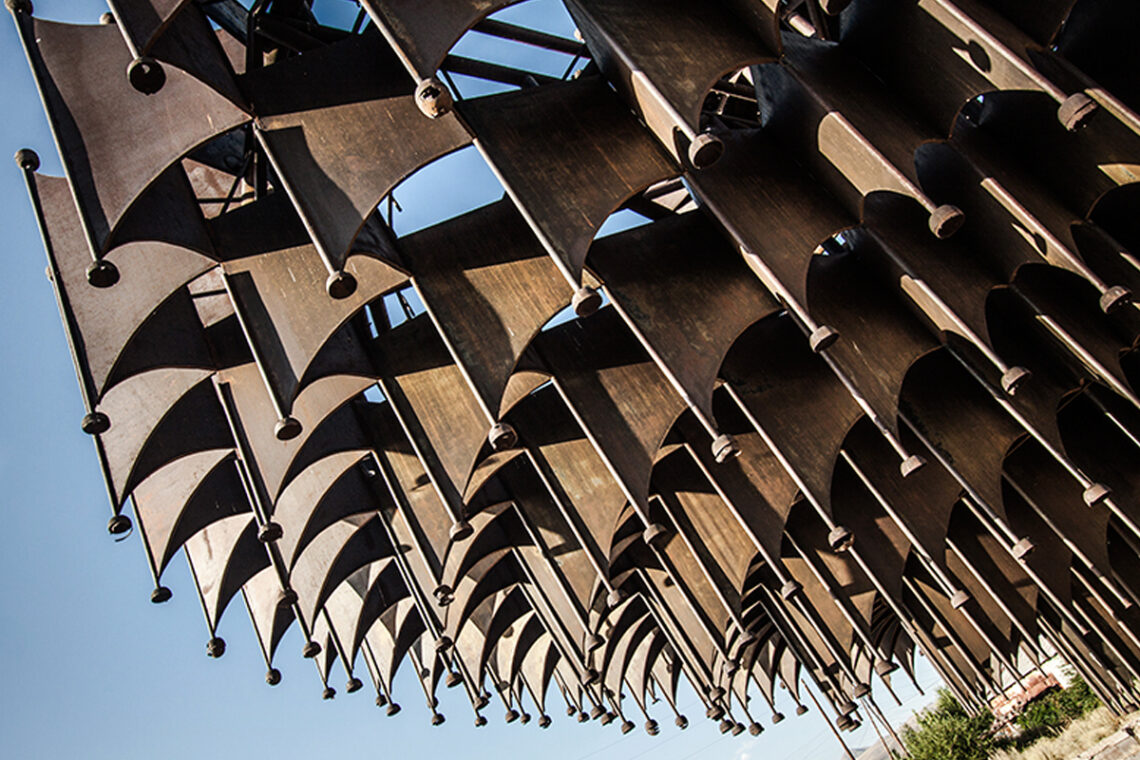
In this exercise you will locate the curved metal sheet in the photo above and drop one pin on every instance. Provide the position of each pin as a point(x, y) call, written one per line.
point(768, 204)
point(79, 70)
point(794, 398)
point(699, 512)
point(422, 31)
point(566, 195)
point(270, 619)
point(679, 47)
point(156, 417)
point(572, 466)
point(961, 421)
point(184, 497)
point(616, 392)
point(967, 48)
point(105, 320)
point(688, 293)
point(224, 556)
point(277, 461)
point(413, 358)
point(490, 286)
point(300, 332)
point(336, 171)
point(330, 489)
point(337, 552)
point(879, 337)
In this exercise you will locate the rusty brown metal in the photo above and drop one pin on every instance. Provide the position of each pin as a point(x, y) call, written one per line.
point(881, 255)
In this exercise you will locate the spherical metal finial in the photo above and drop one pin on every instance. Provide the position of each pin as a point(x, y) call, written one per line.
point(118, 525)
point(724, 448)
point(627, 726)
point(480, 721)
point(652, 728)
point(460, 531)
point(102, 274)
point(801, 709)
point(705, 150)
point(681, 722)
point(1111, 300)
point(107, 18)
point(437, 719)
point(1012, 379)
point(354, 685)
point(160, 595)
point(340, 285)
point(271, 531)
point(586, 301)
point(1076, 110)
point(502, 436)
point(453, 679)
point(146, 75)
point(27, 159)
point(655, 534)
point(777, 717)
point(840, 539)
point(287, 428)
point(755, 729)
point(328, 693)
point(310, 650)
point(215, 647)
point(511, 716)
point(95, 423)
point(433, 98)
point(273, 676)
point(945, 221)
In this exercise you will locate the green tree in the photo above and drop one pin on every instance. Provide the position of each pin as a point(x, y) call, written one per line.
point(946, 732)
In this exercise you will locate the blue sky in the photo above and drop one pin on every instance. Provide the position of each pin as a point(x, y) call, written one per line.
point(92, 669)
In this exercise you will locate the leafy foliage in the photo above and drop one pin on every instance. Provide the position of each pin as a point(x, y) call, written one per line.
point(947, 732)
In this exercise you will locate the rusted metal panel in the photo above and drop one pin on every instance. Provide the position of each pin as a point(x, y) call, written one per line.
point(566, 195)
point(490, 286)
point(79, 72)
point(693, 306)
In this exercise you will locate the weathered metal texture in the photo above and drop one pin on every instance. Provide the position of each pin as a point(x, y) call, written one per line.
point(105, 321)
point(693, 307)
point(616, 392)
point(276, 460)
point(79, 70)
point(844, 129)
point(333, 555)
point(322, 142)
point(951, 410)
point(224, 556)
point(795, 401)
point(879, 339)
point(157, 417)
point(490, 287)
point(298, 346)
point(184, 497)
point(492, 488)
point(768, 205)
point(269, 617)
point(664, 57)
point(422, 33)
point(566, 194)
point(966, 47)
point(415, 363)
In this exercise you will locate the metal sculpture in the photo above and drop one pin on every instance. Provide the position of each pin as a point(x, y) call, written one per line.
point(864, 381)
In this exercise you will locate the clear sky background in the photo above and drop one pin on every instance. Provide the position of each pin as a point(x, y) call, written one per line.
point(89, 668)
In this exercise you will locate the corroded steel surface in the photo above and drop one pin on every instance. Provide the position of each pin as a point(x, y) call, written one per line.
point(863, 385)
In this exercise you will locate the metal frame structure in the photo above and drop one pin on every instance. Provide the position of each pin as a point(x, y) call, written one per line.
point(863, 382)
